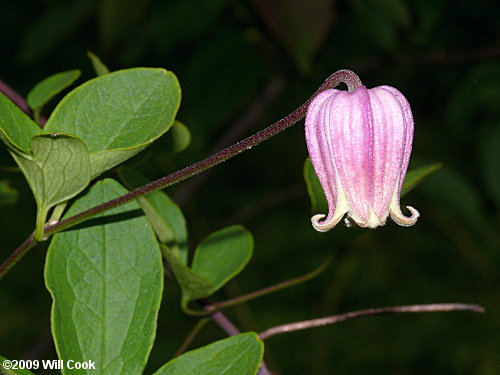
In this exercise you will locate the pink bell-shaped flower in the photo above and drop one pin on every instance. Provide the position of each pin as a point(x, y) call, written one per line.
point(360, 144)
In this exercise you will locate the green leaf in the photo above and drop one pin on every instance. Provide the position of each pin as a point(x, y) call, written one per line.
point(58, 170)
point(165, 217)
point(118, 114)
point(50, 87)
point(178, 138)
point(8, 371)
point(314, 189)
point(218, 258)
point(16, 129)
point(222, 255)
point(236, 355)
point(98, 65)
point(8, 195)
point(193, 286)
point(106, 281)
point(416, 176)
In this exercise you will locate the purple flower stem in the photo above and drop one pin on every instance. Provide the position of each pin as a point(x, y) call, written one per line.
point(346, 76)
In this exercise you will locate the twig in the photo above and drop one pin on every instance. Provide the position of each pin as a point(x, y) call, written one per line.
point(190, 337)
point(307, 324)
point(270, 289)
point(28, 244)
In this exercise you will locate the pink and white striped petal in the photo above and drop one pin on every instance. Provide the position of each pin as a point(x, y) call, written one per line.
point(360, 144)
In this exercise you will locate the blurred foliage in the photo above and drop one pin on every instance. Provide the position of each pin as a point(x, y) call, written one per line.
point(444, 56)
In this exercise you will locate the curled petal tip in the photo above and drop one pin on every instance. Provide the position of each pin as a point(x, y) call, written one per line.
point(401, 219)
point(324, 226)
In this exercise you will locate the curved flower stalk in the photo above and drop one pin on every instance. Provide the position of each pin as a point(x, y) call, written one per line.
point(360, 144)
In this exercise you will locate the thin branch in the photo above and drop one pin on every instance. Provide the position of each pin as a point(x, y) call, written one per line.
point(307, 324)
point(220, 319)
point(212, 307)
point(190, 337)
point(270, 289)
point(26, 246)
point(342, 76)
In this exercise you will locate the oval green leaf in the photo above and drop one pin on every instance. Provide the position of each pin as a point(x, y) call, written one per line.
point(58, 170)
point(50, 87)
point(236, 355)
point(222, 255)
point(106, 281)
point(120, 112)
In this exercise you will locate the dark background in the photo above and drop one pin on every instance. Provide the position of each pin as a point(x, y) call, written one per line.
point(243, 65)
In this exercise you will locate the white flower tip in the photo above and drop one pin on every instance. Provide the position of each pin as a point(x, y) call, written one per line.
point(324, 226)
point(401, 219)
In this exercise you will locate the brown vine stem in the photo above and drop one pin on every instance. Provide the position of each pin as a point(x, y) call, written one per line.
point(346, 76)
point(307, 324)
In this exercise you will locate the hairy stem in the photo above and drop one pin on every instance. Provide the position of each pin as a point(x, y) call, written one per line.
point(346, 76)
point(307, 324)
point(334, 80)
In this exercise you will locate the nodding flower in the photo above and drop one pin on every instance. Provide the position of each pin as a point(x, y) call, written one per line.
point(360, 144)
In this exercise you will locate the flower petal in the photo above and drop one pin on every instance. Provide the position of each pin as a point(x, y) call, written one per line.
point(360, 145)
point(319, 146)
point(389, 145)
point(352, 142)
point(405, 107)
